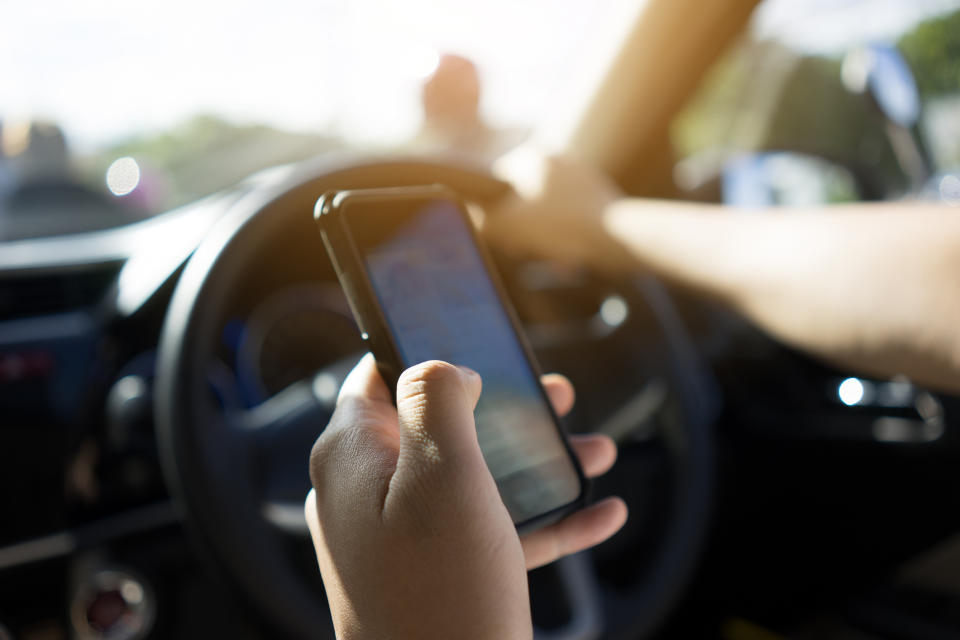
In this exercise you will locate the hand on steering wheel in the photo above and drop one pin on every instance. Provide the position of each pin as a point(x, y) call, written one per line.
point(411, 535)
point(556, 211)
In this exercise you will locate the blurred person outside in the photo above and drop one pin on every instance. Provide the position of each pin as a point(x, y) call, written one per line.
point(35, 154)
point(452, 119)
point(43, 197)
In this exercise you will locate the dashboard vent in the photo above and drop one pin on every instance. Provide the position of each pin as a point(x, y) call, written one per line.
point(35, 294)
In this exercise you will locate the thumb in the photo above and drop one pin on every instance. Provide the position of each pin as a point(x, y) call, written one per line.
point(435, 403)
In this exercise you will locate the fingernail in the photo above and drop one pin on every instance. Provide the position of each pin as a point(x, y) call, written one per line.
point(467, 370)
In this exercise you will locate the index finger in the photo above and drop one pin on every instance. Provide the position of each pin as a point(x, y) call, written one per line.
point(363, 401)
point(361, 442)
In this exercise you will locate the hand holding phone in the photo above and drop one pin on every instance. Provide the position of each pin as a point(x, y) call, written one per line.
point(412, 538)
point(422, 288)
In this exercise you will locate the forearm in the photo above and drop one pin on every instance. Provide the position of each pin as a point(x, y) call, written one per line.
point(874, 287)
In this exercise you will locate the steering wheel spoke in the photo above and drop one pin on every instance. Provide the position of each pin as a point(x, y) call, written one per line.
point(304, 406)
point(280, 433)
point(577, 581)
point(293, 409)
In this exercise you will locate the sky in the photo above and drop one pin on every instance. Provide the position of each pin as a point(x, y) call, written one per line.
point(835, 26)
point(105, 69)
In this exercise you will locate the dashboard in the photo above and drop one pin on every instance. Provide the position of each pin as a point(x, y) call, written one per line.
point(79, 322)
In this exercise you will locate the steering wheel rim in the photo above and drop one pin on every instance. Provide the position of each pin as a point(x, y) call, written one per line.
point(207, 466)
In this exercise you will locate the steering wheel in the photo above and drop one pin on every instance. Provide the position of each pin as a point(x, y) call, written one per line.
point(240, 476)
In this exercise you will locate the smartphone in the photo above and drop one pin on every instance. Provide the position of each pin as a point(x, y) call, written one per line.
point(422, 287)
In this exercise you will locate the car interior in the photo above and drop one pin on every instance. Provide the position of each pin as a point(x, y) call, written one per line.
point(166, 367)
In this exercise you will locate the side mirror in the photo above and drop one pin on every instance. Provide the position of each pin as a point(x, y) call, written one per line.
point(882, 73)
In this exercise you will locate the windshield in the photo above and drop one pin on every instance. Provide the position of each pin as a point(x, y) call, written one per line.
point(113, 111)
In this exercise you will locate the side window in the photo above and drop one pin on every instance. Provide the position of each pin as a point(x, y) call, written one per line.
point(829, 105)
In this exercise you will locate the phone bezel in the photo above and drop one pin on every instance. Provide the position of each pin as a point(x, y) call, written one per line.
point(348, 262)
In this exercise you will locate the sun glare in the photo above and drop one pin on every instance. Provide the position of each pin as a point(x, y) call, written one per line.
point(352, 69)
point(123, 176)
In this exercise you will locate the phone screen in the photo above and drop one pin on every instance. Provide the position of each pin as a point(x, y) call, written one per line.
point(441, 303)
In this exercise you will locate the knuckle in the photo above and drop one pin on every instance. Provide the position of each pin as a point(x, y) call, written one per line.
point(423, 383)
point(321, 454)
point(429, 374)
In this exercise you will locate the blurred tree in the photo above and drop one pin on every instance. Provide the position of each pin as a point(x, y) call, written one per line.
point(707, 121)
point(207, 153)
point(932, 49)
